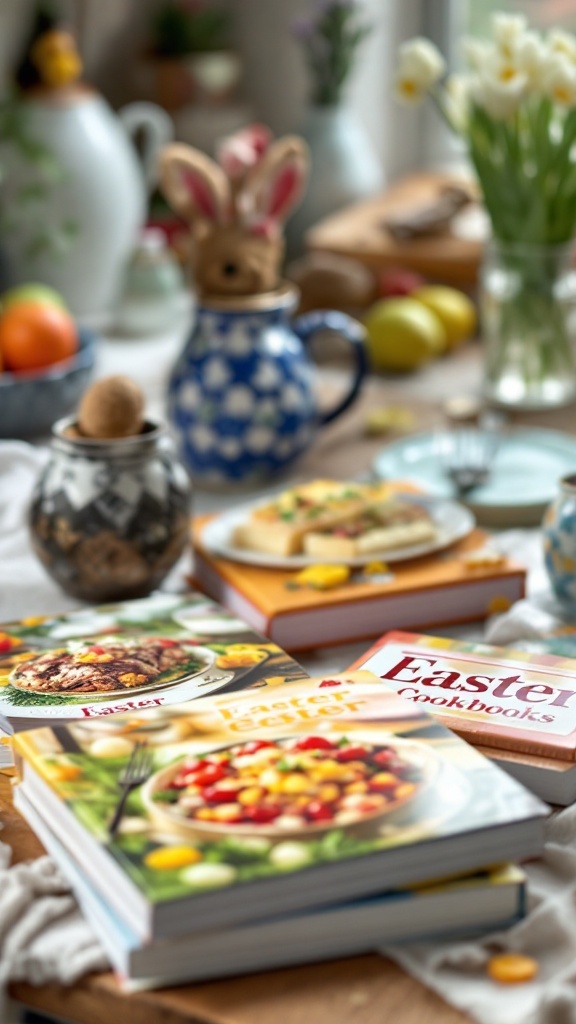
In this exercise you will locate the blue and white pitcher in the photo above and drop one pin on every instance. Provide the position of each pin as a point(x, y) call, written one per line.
point(241, 395)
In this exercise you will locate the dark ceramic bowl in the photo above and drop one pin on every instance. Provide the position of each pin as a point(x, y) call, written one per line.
point(31, 402)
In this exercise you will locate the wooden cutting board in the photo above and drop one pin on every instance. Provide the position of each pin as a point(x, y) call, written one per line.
point(358, 231)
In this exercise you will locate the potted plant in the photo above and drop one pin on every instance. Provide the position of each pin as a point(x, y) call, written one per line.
point(345, 167)
point(191, 53)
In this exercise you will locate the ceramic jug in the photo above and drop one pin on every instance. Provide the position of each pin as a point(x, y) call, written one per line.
point(92, 210)
point(241, 395)
point(559, 529)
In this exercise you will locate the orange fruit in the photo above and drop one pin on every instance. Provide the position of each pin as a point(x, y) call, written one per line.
point(34, 335)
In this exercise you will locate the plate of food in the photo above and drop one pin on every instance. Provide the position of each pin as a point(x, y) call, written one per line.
point(108, 666)
point(331, 521)
point(296, 786)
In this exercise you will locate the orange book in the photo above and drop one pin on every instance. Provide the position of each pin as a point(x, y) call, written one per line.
point(517, 707)
point(437, 590)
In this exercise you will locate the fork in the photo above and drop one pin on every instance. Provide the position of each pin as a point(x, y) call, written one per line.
point(468, 449)
point(136, 772)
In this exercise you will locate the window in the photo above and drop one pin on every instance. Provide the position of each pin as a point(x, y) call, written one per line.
point(542, 14)
point(446, 22)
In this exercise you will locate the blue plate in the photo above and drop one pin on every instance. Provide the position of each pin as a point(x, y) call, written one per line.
point(31, 402)
point(523, 480)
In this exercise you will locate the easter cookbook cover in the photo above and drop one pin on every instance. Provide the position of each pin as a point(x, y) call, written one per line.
point(240, 806)
point(519, 707)
point(129, 656)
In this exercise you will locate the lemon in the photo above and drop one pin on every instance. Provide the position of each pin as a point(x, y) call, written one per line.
point(402, 334)
point(453, 308)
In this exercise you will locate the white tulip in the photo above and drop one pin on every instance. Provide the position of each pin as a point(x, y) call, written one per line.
point(420, 66)
point(560, 81)
point(500, 91)
point(563, 43)
point(476, 52)
point(507, 30)
point(532, 57)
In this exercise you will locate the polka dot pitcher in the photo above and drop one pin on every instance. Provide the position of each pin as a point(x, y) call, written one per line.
point(241, 395)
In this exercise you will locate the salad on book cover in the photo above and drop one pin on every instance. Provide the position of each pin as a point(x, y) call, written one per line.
point(508, 699)
point(252, 785)
point(125, 657)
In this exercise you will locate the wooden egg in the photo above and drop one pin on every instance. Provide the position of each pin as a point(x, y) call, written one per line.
point(112, 408)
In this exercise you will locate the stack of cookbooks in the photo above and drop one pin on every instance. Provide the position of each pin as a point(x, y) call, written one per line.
point(282, 824)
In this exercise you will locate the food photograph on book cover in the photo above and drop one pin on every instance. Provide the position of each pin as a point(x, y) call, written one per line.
point(136, 654)
point(254, 784)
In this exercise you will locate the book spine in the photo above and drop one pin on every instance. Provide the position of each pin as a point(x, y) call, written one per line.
point(367, 618)
point(220, 590)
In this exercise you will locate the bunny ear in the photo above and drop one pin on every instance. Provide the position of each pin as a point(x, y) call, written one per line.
point(278, 181)
point(194, 185)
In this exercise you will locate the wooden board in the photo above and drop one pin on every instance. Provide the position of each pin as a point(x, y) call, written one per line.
point(358, 232)
point(358, 990)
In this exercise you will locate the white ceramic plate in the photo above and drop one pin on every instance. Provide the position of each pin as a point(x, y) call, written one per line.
point(452, 522)
point(523, 481)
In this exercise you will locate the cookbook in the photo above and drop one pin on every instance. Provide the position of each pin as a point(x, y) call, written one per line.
point(445, 587)
point(129, 656)
point(518, 707)
point(238, 807)
point(475, 904)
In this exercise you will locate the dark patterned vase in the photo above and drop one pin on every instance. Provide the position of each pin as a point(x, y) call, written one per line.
point(109, 519)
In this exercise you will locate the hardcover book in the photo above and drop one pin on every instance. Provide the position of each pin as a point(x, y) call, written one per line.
point(518, 707)
point(444, 588)
point(245, 806)
point(126, 657)
point(490, 899)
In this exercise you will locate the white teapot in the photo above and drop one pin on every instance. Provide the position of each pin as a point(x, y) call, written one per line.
point(96, 202)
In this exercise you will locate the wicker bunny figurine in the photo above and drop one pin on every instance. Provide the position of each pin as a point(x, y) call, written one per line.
point(236, 207)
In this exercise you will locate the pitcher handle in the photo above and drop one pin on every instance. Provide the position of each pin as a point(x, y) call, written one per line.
point(157, 130)
point(307, 325)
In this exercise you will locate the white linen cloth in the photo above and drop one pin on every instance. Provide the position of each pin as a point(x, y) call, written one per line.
point(456, 970)
point(25, 588)
point(44, 938)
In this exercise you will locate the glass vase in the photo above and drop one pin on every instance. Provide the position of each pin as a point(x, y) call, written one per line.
point(344, 169)
point(528, 311)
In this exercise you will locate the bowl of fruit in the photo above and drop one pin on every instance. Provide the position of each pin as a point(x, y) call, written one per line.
point(45, 360)
point(294, 787)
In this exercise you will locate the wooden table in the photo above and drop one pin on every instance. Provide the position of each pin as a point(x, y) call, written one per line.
point(359, 990)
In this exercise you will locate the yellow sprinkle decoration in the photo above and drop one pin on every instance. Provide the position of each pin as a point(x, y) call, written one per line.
point(375, 568)
point(512, 968)
point(484, 558)
point(323, 577)
point(392, 419)
point(170, 858)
